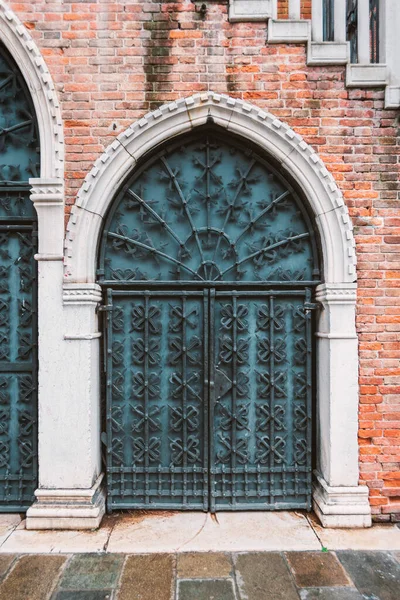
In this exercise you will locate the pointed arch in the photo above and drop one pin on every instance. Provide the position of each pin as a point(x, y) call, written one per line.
point(238, 117)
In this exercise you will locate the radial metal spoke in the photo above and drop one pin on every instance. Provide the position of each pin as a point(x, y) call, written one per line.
point(15, 127)
point(6, 81)
point(185, 206)
point(154, 251)
point(154, 214)
point(260, 216)
point(265, 249)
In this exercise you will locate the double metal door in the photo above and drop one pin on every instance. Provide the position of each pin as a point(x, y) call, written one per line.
point(208, 399)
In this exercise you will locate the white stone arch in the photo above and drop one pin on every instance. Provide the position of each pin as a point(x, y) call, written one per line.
point(338, 498)
point(238, 117)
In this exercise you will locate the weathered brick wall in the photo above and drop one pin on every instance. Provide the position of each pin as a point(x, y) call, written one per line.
point(114, 61)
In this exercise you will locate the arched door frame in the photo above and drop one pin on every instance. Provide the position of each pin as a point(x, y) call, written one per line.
point(339, 500)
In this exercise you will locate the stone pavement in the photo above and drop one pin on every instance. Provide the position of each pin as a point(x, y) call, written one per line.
point(344, 575)
point(194, 556)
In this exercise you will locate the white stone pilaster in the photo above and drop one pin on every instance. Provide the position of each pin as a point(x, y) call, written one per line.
point(339, 501)
point(70, 494)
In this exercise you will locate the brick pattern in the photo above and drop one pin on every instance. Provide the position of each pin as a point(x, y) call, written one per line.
point(114, 61)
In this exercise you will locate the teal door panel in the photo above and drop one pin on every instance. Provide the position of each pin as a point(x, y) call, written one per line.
point(157, 400)
point(261, 401)
point(18, 367)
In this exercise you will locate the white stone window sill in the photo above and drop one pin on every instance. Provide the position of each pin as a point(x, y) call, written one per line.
point(328, 53)
point(250, 10)
point(392, 96)
point(281, 31)
point(371, 75)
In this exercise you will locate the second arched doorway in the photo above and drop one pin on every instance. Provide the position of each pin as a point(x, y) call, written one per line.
point(208, 260)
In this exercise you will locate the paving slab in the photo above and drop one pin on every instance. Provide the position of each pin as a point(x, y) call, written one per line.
point(254, 531)
point(156, 531)
point(373, 573)
point(203, 565)
point(6, 561)
point(210, 589)
point(378, 537)
point(334, 593)
point(148, 577)
point(24, 541)
point(32, 578)
point(200, 532)
point(92, 572)
point(317, 569)
point(264, 577)
point(8, 522)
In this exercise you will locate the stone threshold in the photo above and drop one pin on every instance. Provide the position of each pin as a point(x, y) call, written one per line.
point(140, 532)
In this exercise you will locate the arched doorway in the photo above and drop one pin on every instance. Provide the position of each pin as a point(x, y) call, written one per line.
point(208, 261)
point(20, 160)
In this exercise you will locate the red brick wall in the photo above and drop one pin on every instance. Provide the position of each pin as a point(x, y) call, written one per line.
point(114, 61)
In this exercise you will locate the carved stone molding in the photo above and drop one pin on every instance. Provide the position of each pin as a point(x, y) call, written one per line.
point(85, 293)
point(67, 508)
point(338, 506)
point(337, 293)
point(236, 116)
point(47, 192)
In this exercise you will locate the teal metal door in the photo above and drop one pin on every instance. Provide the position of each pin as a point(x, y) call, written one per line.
point(19, 153)
point(209, 399)
point(208, 261)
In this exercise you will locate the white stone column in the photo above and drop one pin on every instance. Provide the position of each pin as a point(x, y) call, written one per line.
point(316, 21)
point(363, 41)
point(340, 20)
point(294, 9)
point(70, 495)
point(339, 500)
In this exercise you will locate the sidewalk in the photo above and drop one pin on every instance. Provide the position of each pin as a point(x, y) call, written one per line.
point(192, 556)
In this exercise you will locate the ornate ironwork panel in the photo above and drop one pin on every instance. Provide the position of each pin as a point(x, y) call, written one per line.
point(19, 140)
point(208, 259)
point(19, 154)
point(261, 400)
point(208, 210)
point(157, 400)
point(18, 367)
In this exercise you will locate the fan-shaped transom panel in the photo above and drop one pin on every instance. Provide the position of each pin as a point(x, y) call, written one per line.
point(19, 141)
point(208, 209)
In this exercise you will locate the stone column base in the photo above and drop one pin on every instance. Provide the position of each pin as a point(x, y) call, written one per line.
point(341, 506)
point(67, 509)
